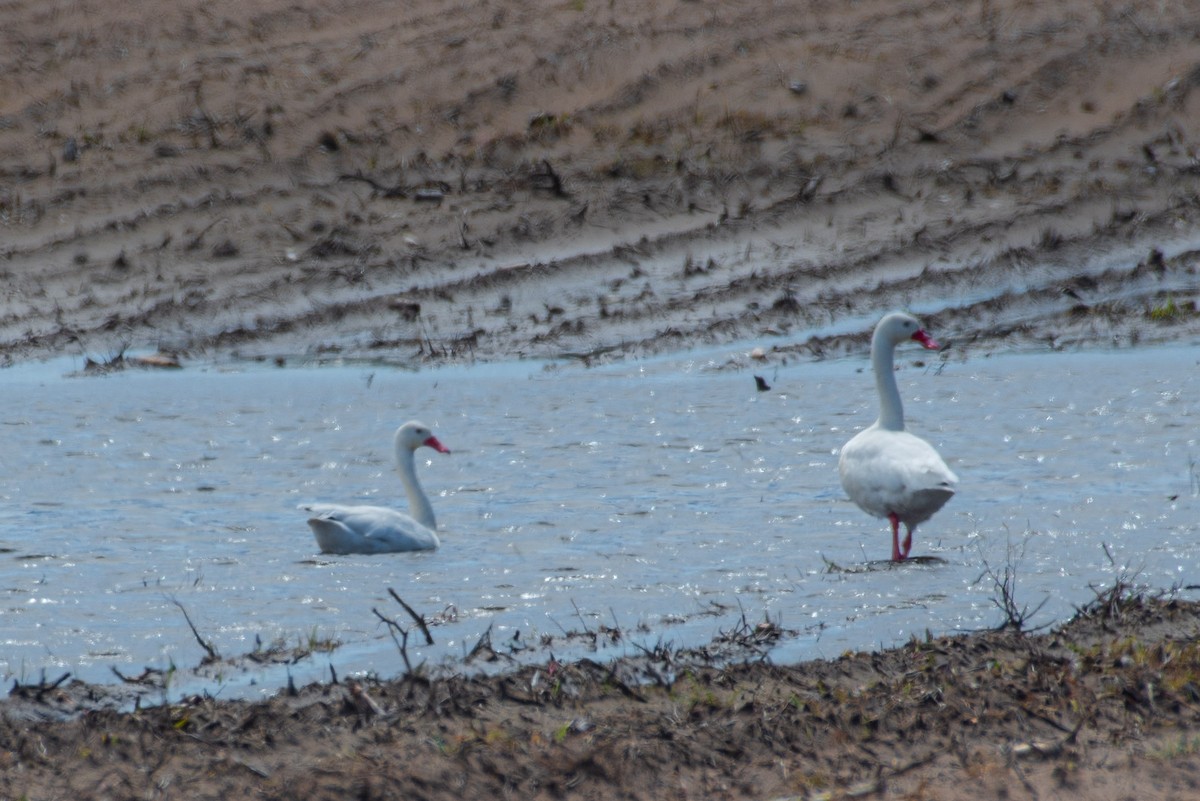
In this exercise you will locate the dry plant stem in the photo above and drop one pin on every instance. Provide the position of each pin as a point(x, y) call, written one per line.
point(213, 655)
point(418, 619)
point(483, 645)
point(1005, 582)
point(579, 615)
point(402, 642)
point(195, 241)
point(40, 689)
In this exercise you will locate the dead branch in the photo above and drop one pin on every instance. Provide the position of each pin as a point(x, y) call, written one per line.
point(420, 621)
point(483, 645)
point(402, 642)
point(40, 689)
point(147, 677)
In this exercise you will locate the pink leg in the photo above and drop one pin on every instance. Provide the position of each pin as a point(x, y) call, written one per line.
point(906, 546)
point(897, 554)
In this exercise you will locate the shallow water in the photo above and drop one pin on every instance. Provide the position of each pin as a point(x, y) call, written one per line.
point(666, 498)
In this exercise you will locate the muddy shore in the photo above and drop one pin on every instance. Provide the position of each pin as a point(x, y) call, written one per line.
point(1105, 707)
point(582, 182)
point(458, 181)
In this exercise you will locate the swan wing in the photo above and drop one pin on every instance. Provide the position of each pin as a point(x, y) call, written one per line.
point(367, 529)
point(887, 472)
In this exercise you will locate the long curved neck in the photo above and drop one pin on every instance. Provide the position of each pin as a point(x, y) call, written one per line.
point(418, 503)
point(891, 411)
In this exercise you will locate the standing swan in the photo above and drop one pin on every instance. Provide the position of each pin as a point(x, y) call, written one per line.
point(887, 471)
point(377, 529)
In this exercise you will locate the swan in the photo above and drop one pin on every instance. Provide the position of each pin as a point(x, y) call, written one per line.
point(885, 470)
point(378, 529)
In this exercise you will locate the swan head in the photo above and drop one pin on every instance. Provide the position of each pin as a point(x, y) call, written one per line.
point(413, 435)
point(898, 327)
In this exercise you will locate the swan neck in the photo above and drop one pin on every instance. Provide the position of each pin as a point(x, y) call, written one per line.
point(418, 504)
point(891, 411)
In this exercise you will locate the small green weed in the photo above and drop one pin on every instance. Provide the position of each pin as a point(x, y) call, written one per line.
point(1170, 310)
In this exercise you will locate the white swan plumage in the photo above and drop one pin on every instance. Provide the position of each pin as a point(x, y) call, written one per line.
point(379, 529)
point(885, 470)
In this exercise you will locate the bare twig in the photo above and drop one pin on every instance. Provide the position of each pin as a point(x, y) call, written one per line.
point(1005, 582)
point(402, 642)
point(39, 689)
point(147, 677)
point(213, 656)
point(482, 647)
point(420, 621)
point(195, 241)
point(579, 615)
point(1111, 603)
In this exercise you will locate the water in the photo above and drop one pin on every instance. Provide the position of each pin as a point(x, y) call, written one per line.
point(667, 498)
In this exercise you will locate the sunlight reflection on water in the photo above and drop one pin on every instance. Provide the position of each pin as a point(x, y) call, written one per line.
point(662, 498)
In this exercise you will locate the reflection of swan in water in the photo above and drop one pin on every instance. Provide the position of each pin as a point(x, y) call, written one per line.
point(378, 529)
point(887, 471)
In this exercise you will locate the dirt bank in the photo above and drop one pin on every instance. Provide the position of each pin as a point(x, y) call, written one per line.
point(449, 180)
point(1107, 707)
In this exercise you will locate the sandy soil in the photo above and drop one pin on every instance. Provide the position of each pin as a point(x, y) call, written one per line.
point(450, 180)
point(435, 181)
